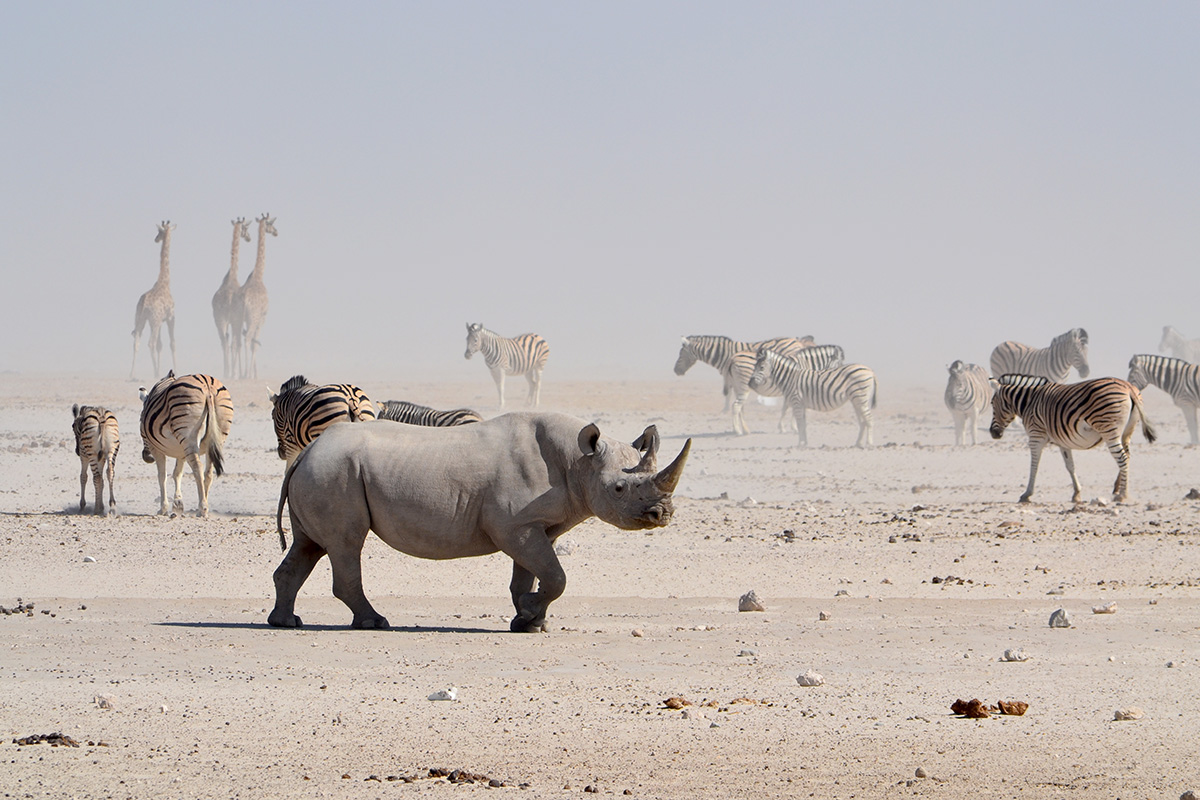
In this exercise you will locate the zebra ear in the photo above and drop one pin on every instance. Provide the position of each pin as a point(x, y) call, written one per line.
point(75, 410)
point(683, 339)
point(271, 395)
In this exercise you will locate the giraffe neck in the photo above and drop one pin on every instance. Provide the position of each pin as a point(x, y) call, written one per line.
point(261, 258)
point(233, 253)
point(164, 260)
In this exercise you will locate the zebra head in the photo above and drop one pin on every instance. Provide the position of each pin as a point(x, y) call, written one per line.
point(1137, 372)
point(1077, 343)
point(474, 337)
point(1010, 393)
point(687, 356)
point(764, 365)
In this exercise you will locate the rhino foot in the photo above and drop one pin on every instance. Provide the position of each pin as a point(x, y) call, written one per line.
point(521, 624)
point(371, 623)
point(278, 620)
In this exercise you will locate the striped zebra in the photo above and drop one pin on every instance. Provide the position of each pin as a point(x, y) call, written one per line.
point(1053, 363)
point(1173, 342)
point(815, 359)
point(1174, 376)
point(302, 410)
point(183, 418)
point(719, 353)
point(97, 441)
point(413, 414)
point(1075, 416)
point(968, 393)
point(821, 391)
point(524, 355)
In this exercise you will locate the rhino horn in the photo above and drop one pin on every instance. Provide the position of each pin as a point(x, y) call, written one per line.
point(648, 444)
point(666, 480)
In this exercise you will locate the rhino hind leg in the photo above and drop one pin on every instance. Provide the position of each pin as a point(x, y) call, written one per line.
point(348, 587)
point(290, 575)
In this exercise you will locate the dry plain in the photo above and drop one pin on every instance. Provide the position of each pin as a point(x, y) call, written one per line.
point(915, 550)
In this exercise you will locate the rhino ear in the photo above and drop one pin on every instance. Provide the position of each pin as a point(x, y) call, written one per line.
point(647, 443)
point(589, 438)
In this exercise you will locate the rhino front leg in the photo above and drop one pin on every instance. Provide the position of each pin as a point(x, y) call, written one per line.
point(348, 587)
point(290, 575)
point(533, 557)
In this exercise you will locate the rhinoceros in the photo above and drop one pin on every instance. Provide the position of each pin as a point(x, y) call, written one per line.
point(513, 484)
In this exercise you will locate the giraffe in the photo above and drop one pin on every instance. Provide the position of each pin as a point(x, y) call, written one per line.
point(156, 306)
point(224, 303)
point(253, 295)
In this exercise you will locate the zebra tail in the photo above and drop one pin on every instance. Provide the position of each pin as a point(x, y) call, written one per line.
point(874, 391)
point(215, 455)
point(1147, 426)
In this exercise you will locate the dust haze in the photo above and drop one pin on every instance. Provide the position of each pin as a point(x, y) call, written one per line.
point(915, 183)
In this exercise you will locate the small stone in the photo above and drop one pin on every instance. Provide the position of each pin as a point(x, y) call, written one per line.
point(1194, 494)
point(1060, 619)
point(1107, 608)
point(89, 560)
point(841, 593)
point(565, 547)
point(1189, 794)
point(1170, 664)
point(810, 678)
point(921, 773)
point(106, 701)
point(747, 653)
point(693, 713)
point(824, 616)
point(638, 633)
point(1129, 713)
point(676, 702)
point(1015, 654)
point(750, 602)
point(445, 694)
point(1013, 708)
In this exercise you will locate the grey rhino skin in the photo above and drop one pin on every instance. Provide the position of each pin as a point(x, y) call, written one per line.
point(514, 484)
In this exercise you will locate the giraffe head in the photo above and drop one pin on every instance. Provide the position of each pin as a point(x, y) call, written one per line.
point(266, 224)
point(241, 227)
point(164, 230)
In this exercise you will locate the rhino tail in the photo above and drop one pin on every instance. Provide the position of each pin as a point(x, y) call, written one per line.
point(283, 496)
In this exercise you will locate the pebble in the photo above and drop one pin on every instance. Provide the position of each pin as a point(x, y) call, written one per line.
point(638, 633)
point(1170, 664)
point(921, 773)
point(824, 616)
point(751, 653)
point(841, 593)
point(1107, 608)
point(89, 560)
point(1130, 713)
point(1015, 654)
point(105, 701)
point(445, 694)
point(1189, 794)
point(810, 678)
point(692, 713)
point(565, 547)
point(750, 602)
point(1060, 619)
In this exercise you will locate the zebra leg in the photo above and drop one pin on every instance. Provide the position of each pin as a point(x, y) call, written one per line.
point(960, 424)
point(177, 476)
point(865, 423)
point(1120, 452)
point(112, 500)
point(801, 413)
point(533, 379)
point(290, 575)
point(98, 480)
point(498, 377)
point(83, 471)
point(160, 461)
point(1069, 460)
point(193, 460)
point(1035, 456)
point(1189, 416)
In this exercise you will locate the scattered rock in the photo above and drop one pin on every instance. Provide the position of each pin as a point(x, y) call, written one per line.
point(676, 702)
point(1194, 494)
point(747, 653)
point(1189, 794)
point(693, 713)
point(1060, 619)
point(52, 739)
point(106, 701)
point(1015, 654)
point(1170, 665)
point(972, 709)
point(565, 547)
point(445, 694)
point(921, 773)
point(824, 616)
point(638, 633)
point(750, 602)
point(841, 593)
point(1130, 713)
point(1013, 708)
point(89, 560)
point(1107, 608)
point(810, 678)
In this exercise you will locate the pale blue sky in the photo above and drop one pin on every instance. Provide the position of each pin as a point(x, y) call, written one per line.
point(914, 181)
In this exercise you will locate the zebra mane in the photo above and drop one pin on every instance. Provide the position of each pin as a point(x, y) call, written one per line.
point(1023, 381)
point(1074, 333)
point(294, 382)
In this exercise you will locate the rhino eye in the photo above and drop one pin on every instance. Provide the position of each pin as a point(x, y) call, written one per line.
point(619, 487)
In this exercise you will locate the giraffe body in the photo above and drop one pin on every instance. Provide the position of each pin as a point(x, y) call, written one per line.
point(156, 306)
point(225, 301)
point(253, 305)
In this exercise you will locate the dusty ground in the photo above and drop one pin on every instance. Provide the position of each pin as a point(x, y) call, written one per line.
point(916, 551)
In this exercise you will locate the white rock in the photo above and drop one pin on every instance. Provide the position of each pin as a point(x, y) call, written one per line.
point(105, 701)
point(810, 678)
point(565, 547)
point(1130, 713)
point(1060, 619)
point(1107, 608)
point(1015, 654)
point(692, 713)
point(841, 593)
point(752, 653)
point(638, 633)
point(445, 694)
point(89, 560)
point(750, 602)
point(824, 616)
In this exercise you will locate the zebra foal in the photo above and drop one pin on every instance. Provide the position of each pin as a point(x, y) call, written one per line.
point(523, 355)
point(1075, 416)
point(97, 440)
point(821, 391)
point(183, 418)
point(1174, 376)
point(413, 414)
point(968, 393)
point(302, 410)
point(1053, 363)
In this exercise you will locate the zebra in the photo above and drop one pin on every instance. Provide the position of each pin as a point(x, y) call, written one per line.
point(183, 418)
point(814, 358)
point(302, 410)
point(1074, 416)
point(1173, 341)
point(413, 414)
point(820, 391)
point(719, 353)
point(968, 393)
point(524, 355)
point(1174, 376)
point(97, 440)
point(1053, 363)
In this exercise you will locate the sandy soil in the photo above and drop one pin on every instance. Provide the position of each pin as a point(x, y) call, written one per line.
point(915, 550)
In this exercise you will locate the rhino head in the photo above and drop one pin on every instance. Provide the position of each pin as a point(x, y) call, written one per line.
point(622, 484)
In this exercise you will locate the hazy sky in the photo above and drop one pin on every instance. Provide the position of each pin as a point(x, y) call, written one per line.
point(913, 181)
